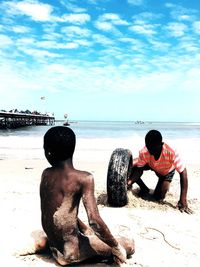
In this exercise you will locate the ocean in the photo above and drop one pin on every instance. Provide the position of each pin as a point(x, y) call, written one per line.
point(97, 139)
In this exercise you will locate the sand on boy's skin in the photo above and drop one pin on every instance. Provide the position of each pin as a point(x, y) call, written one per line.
point(163, 235)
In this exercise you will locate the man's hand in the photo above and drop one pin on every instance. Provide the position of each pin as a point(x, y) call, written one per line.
point(119, 254)
point(183, 207)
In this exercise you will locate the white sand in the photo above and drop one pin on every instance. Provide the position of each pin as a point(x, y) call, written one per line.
point(163, 235)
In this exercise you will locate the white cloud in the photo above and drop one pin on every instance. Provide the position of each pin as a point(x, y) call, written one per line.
point(72, 7)
point(108, 21)
point(99, 38)
point(25, 41)
point(196, 27)
point(75, 30)
point(40, 53)
point(191, 80)
point(83, 42)
point(59, 68)
point(147, 16)
point(145, 29)
point(176, 29)
point(5, 40)
point(24, 84)
point(21, 29)
point(135, 44)
point(37, 11)
point(113, 18)
point(56, 45)
point(160, 46)
point(104, 26)
point(181, 13)
point(188, 47)
point(95, 2)
point(71, 45)
point(185, 17)
point(19, 82)
point(136, 2)
point(135, 59)
point(74, 18)
point(80, 76)
point(2, 28)
point(51, 35)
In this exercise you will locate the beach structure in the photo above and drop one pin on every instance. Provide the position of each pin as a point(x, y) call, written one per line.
point(11, 120)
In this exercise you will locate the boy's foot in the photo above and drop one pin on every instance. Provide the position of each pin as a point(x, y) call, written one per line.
point(129, 184)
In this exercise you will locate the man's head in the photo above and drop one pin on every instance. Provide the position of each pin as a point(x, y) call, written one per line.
point(153, 141)
point(59, 144)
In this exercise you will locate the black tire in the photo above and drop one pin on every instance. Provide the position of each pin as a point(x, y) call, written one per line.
point(118, 171)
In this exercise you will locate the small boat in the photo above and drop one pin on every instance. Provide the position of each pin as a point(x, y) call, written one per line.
point(139, 122)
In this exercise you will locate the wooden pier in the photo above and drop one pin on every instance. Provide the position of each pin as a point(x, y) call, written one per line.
point(10, 120)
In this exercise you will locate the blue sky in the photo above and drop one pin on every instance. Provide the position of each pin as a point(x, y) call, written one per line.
point(102, 59)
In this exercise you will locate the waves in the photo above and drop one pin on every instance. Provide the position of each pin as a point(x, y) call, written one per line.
point(97, 140)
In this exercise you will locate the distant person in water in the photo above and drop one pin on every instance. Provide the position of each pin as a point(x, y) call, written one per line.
point(61, 190)
point(163, 160)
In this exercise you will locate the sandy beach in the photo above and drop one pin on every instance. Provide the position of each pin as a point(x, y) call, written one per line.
point(163, 235)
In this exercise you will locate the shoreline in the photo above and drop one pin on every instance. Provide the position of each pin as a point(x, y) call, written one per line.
point(93, 149)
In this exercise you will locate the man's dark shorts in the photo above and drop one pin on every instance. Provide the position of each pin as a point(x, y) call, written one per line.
point(168, 177)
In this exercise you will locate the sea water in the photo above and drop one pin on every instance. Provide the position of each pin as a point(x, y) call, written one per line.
point(97, 140)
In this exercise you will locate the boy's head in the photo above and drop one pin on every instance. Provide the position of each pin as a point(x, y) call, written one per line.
point(59, 144)
point(153, 141)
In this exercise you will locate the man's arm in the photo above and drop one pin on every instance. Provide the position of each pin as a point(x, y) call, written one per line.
point(96, 223)
point(182, 204)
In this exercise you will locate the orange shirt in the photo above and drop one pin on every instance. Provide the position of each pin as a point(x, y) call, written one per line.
point(169, 160)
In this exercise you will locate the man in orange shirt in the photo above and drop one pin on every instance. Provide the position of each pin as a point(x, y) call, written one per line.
point(163, 160)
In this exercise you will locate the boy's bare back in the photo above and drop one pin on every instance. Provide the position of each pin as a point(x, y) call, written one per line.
point(61, 189)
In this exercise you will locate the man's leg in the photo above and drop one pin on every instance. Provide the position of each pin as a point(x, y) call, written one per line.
point(135, 177)
point(161, 189)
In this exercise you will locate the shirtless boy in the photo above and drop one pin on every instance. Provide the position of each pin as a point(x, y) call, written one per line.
point(61, 189)
point(163, 160)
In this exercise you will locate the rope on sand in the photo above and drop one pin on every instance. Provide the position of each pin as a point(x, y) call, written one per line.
point(151, 228)
point(123, 228)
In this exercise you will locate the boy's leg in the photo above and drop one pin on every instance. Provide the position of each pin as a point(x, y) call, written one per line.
point(161, 189)
point(163, 185)
point(89, 247)
point(144, 190)
point(81, 248)
point(93, 246)
point(85, 229)
point(37, 242)
point(135, 177)
point(128, 244)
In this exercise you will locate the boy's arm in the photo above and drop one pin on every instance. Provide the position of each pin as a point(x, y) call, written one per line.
point(96, 222)
point(182, 204)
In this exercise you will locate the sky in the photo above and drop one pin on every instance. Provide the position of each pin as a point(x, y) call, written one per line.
point(121, 60)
